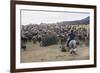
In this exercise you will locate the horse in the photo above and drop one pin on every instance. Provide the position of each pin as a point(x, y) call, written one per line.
point(72, 46)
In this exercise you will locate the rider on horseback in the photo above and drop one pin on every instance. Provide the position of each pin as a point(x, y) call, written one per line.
point(72, 42)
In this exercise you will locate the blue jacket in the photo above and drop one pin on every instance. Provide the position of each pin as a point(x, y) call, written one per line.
point(71, 36)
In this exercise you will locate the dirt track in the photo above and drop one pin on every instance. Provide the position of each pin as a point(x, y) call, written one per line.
point(35, 53)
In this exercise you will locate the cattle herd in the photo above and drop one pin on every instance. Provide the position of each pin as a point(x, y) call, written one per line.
point(50, 34)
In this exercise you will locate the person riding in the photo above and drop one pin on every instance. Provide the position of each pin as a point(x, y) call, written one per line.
point(72, 42)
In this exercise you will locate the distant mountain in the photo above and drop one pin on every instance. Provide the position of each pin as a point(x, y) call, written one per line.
point(82, 21)
point(86, 20)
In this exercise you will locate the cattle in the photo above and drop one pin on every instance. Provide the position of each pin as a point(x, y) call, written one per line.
point(52, 34)
point(62, 40)
point(23, 42)
point(47, 39)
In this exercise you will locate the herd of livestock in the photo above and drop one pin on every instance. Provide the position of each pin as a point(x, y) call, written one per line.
point(46, 34)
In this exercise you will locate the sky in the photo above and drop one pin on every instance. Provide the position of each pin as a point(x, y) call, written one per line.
point(37, 17)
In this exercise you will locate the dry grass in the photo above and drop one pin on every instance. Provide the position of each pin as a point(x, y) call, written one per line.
point(35, 53)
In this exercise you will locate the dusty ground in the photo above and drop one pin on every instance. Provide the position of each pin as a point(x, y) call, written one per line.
point(35, 53)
